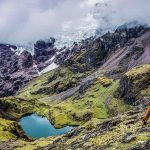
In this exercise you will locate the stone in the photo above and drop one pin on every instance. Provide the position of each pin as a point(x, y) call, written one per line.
point(128, 137)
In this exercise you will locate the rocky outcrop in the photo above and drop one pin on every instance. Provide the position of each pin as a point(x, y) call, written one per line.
point(135, 52)
point(133, 82)
point(25, 60)
point(121, 132)
point(43, 50)
point(97, 52)
point(15, 70)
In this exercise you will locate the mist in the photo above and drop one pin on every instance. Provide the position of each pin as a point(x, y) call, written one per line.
point(23, 21)
point(112, 13)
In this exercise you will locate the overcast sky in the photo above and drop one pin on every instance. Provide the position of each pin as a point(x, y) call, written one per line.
point(29, 20)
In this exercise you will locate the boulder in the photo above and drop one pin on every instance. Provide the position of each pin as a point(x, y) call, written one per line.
point(25, 60)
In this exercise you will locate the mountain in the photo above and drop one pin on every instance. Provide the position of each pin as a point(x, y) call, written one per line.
point(100, 84)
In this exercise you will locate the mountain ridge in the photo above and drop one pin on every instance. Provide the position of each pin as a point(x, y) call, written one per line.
point(101, 85)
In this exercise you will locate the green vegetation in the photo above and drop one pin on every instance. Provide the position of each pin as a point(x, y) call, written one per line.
point(6, 127)
point(137, 71)
point(118, 134)
point(124, 131)
point(146, 92)
point(39, 143)
point(133, 82)
point(50, 83)
point(97, 102)
point(89, 110)
point(15, 107)
point(12, 108)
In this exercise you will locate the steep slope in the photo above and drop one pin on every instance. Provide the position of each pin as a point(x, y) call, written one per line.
point(124, 43)
point(17, 70)
point(116, 52)
point(135, 52)
point(121, 132)
point(53, 82)
point(133, 82)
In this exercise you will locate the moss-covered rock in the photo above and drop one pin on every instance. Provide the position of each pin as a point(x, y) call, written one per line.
point(133, 82)
point(12, 108)
point(105, 81)
point(110, 134)
point(97, 101)
point(6, 129)
point(50, 83)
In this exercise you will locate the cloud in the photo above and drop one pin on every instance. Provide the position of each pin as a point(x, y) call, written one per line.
point(112, 13)
point(23, 21)
point(30, 20)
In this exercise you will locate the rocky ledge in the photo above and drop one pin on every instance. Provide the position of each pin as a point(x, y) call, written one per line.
point(121, 132)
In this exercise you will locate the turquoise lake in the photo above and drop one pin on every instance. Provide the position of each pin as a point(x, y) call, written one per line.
point(37, 127)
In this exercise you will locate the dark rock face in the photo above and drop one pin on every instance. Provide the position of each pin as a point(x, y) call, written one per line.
point(44, 50)
point(15, 71)
point(128, 137)
point(93, 52)
point(66, 53)
point(131, 83)
point(25, 60)
point(62, 56)
point(8, 60)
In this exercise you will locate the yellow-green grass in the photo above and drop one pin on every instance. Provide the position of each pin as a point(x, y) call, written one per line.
point(51, 82)
point(139, 70)
point(5, 129)
point(39, 143)
point(17, 107)
point(92, 104)
point(116, 135)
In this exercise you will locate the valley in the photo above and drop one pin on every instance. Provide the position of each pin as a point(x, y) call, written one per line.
point(101, 89)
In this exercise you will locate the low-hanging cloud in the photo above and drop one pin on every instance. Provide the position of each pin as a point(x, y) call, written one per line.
point(112, 13)
point(23, 21)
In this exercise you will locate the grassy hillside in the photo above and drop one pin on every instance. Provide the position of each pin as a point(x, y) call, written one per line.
point(133, 82)
point(53, 82)
point(97, 102)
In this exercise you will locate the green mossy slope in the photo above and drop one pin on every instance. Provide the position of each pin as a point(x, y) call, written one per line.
point(53, 82)
point(97, 102)
point(15, 107)
point(133, 82)
point(12, 108)
point(6, 128)
point(121, 132)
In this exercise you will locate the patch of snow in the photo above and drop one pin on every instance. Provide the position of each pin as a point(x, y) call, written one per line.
point(12, 49)
point(35, 66)
point(52, 66)
point(50, 60)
